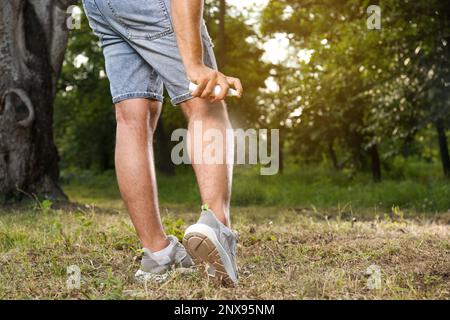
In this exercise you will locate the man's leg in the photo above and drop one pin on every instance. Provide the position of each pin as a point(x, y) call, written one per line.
point(136, 123)
point(214, 180)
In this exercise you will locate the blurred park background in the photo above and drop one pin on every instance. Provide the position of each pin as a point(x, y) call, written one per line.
point(364, 114)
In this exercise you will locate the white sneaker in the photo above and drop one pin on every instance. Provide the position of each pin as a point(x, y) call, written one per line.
point(160, 269)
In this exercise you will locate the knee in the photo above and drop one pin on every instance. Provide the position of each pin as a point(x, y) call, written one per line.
point(137, 115)
point(131, 116)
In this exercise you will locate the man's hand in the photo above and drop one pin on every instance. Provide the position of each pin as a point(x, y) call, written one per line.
point(207, 79)
point(187, 17)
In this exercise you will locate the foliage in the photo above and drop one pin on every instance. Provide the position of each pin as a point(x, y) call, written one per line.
point(84, 117)
point(411, 185)
point(362, 90)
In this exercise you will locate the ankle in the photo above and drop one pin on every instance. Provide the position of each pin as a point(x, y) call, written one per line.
point(155, 245)
point(221, 214)
point(224, 219)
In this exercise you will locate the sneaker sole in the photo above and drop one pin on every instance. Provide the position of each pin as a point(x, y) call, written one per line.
point(203, 246)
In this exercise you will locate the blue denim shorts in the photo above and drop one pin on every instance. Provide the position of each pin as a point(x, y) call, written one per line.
point(140, 49)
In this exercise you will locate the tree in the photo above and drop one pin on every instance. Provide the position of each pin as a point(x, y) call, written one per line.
point(33, 37)
point(368, 91)
point(222, 33)
point(326, 98)
point(83, 106)
point(418, 40)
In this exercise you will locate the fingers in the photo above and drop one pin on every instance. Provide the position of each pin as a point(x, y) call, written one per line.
point(236, 84)
point(209, 90)
point(224, 87)
point(207, 79)
point(201, 85)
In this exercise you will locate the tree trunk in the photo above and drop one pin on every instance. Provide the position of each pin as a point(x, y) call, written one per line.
point(443, 147)
point(376, 163)
point(33, 38)
point(332, 155)
point(164, 162)
point(281, 153)
point(222, 33)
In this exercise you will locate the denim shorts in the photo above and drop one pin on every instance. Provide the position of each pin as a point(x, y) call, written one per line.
point(140, 49)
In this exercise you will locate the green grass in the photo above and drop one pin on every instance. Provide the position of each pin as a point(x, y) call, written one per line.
point(311, 187)
point(306, 235)
point(281, 254)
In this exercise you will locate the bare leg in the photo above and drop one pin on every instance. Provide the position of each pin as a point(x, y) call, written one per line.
point(214, 180)
point(136, 122)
